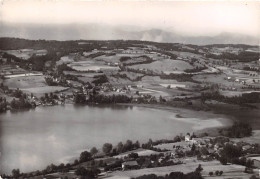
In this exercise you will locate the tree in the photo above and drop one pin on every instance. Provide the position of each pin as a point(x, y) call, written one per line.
point(101, 163)
point(133, 155)
point(204, 151)
point(120, 147)
point(137, 144)
point(16, 173)
point(128, 145)
point(150, 142)
point(199, 168)
point(51, 168)
point(176, 175)
point(76, 162)
point(160, 99)
point(223, 160)
point(84, 156)
point(193, 148)
point(177, 139)
point(107, 147)
point(253, 177)
point(230, 152)
point(93, 151)
point(93, 163)
point(249, 163)
point(46, 96)
point(81, 171)
point(61, 165)
point(80, 98)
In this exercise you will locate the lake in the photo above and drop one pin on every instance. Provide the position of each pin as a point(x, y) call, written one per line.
point(31, 140)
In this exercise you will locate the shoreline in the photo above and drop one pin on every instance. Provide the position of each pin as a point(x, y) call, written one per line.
point(211, 120)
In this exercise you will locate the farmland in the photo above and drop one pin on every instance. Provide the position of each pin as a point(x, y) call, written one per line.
point(167, 66)
point(135, 69)
point(25, 54)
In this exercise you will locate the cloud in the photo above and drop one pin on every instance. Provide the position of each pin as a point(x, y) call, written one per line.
point(197, 18)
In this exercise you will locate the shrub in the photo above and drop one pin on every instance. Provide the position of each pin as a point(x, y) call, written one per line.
point(223, 160)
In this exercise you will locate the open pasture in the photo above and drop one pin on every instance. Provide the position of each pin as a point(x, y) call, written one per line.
point(165, 65)
point(11, 70)
point(44, 89)
point(187, 54)
point(91, 66)
point(26, 53)
point(25, 82)
point(229, 171)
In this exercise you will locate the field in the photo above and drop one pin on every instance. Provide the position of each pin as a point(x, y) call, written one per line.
point(140, 152)
point(166, 66)
point(169, 146)
point(83, 76)
point(90, 66)
point(108, 59)
point(119, 81)
point(229, 171)
point(254, 139)
point(157, 82)
point(11, 70)
point(131, 75)
point(235, 93)
point(116, 58)
point(45, 89)
point(25, 82)
point(186, 54)
point(65, 60)
point(32, 84)
point(217, 79)
point(26, 53)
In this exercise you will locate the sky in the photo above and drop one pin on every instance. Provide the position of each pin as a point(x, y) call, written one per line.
point(188, 17)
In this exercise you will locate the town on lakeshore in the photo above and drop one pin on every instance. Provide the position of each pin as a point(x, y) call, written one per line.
point(134, 108)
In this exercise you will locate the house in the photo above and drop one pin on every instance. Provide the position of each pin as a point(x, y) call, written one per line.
point(187, 137)
point(217, 146)
point(211, 151)
point(246, 147)
point(256, 161)
point(161, 159)
point(130, 165)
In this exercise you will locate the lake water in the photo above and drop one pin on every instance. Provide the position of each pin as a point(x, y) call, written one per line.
point(31, 140)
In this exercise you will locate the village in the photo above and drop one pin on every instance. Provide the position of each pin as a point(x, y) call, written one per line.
point(207, 156)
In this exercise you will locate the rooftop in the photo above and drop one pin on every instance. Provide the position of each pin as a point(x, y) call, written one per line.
point(130, 163)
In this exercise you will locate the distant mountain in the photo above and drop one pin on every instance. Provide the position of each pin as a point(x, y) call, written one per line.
point(107, 32)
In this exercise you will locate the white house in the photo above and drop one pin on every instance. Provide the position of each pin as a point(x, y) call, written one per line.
point(187, 137)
